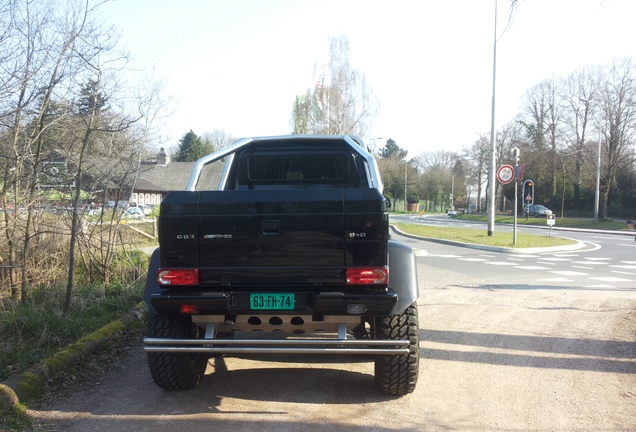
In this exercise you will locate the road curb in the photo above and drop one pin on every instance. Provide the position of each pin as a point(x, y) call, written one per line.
point(30, 383)
point(576, 246)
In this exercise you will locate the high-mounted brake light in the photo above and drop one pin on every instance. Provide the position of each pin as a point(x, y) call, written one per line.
point(178, 276)
point(367, 275)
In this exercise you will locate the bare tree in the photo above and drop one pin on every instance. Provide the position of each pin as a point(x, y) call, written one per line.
point(477, 157)
point(42, 42)
point(581, 92)
point(618, 110)
point(541, 118)
point(341, 102)
point(218, 138)
point(555, 120)
point(59, 68)
point(534, 116)
point(437, 171)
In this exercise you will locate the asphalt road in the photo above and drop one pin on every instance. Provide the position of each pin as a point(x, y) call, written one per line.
point(504, 346)
point(608, 261)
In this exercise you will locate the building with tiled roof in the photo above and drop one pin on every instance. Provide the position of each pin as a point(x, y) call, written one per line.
point(123, 178)
point(158, 177)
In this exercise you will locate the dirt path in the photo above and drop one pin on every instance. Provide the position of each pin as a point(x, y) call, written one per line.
point(492, 359)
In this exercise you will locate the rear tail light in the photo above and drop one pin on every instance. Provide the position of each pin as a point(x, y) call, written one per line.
point(367, 275)
point(178, 277)
point(188, 309)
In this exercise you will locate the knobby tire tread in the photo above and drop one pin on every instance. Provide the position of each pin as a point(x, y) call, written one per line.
point(397, 374)
point(174, 371)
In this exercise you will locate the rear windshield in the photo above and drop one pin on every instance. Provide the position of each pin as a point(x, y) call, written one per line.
point(298, 167)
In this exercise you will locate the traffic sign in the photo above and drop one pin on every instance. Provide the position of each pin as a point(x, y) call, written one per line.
point(519, 171)
point(551, 219)
point(55, 175)
point(505, 174)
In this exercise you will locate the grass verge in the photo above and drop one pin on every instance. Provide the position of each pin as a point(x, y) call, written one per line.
point(582, 223)
point(69, 349)
point(36, 329)
point(473, 236)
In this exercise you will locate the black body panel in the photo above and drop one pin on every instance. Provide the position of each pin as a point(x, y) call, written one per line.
point(301, 238)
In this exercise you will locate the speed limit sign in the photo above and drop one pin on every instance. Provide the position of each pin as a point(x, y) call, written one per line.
point(505, 174)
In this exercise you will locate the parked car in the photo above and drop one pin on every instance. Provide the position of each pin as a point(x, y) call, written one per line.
point(146, 208)
point(133, 213)
point(93, 210)
point(122, 204)
point(536, 210)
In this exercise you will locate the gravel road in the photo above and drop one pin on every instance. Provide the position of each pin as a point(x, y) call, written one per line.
point(492, 359)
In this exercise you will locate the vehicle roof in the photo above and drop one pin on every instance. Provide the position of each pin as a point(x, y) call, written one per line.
point(355, 143)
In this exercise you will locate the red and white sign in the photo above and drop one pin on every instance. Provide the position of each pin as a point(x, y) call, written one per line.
point(505, 174)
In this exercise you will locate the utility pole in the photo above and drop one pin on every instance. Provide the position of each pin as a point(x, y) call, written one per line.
point(515, 156)
point(406, 165)
point(598, 179)
point(493, 140)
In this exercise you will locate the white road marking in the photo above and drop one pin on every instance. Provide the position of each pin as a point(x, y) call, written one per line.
point(569, 273)
point(612, 279)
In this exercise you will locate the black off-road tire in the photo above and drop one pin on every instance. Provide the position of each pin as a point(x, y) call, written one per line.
point(397, 374)
point(174, 371)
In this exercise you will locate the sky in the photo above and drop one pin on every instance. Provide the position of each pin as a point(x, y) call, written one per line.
point(237, 65)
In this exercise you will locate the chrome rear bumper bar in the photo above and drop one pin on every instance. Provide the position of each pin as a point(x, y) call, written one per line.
point(282, 346)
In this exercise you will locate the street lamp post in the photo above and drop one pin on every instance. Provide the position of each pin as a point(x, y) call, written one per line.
point(598, 180)
point(452, 196)
point(406, 165)
point(493, 141)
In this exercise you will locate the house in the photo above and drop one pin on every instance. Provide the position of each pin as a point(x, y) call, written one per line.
point(124, 178)
point(158, 176)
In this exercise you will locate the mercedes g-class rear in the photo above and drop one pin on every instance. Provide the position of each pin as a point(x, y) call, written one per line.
point(288, 253)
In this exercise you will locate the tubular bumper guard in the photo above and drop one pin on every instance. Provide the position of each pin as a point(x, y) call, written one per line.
point(279, 343)
point(282, 346)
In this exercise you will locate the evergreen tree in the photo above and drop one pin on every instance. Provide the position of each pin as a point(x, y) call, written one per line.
point(391, 149)
point(192, 147)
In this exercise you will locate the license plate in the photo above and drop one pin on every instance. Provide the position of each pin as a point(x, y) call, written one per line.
point(271, 301)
